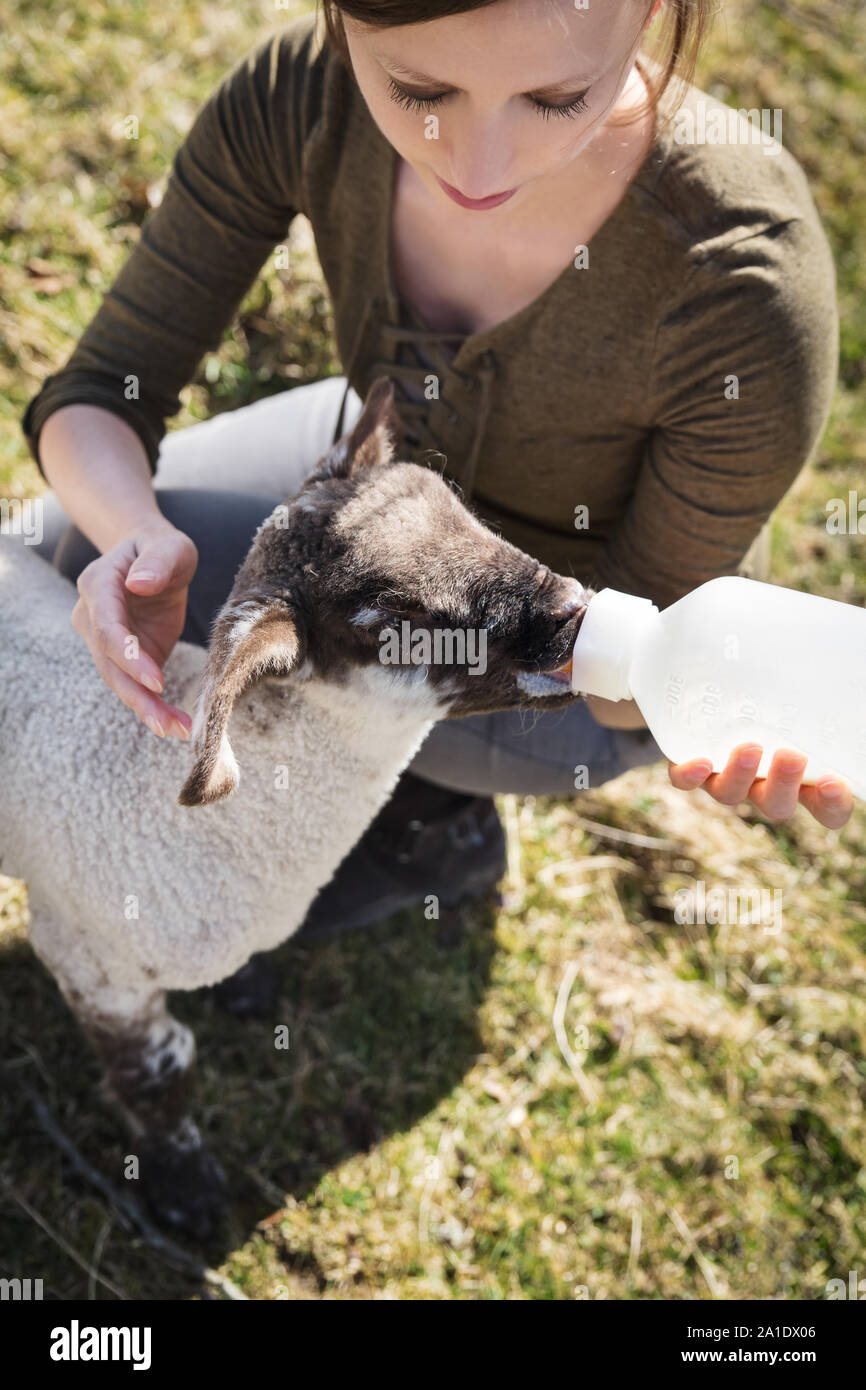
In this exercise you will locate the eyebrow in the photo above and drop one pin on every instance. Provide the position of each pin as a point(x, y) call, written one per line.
point(553, 89)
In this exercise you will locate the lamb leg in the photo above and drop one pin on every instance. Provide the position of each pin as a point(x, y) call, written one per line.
point(146, 1056)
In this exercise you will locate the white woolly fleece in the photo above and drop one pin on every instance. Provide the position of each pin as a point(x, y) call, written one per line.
point(130, 892)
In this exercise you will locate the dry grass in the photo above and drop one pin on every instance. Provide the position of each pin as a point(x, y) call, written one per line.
point(580, 1096)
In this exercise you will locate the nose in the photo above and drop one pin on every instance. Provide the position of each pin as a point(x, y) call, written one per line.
point(571, 602)
point(475, 159)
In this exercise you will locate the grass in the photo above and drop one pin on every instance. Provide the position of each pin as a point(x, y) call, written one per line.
point(425, 1136)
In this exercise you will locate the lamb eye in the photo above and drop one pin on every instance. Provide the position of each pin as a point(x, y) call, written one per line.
point(367, 617)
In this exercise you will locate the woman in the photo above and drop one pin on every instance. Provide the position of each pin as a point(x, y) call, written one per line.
point(621, 338)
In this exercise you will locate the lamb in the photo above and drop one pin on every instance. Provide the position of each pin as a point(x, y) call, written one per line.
point(136, 890)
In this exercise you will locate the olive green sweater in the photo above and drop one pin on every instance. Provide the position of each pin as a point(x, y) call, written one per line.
point(635, 425)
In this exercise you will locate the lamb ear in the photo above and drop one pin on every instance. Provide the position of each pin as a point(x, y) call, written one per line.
point(374, 438)
point(250, 639)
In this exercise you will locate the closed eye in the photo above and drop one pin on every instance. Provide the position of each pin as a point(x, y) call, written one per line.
point(412, 102)
point(416, 101)
point(367, 617)
point(571, 108)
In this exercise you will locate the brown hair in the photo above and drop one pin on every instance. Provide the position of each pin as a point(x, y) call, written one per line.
point(681, 31)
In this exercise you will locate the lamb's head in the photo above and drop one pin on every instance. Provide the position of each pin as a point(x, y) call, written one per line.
point(375, 576)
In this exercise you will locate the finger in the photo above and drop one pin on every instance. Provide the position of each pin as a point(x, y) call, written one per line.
point(161, 718)
point(688, 775)
point(830, 801)
point(731, 785)
point(107, 625)
point(166, 562)
point(777, 795)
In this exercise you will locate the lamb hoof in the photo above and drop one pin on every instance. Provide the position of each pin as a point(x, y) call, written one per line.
point(252, 991)
point(185, 1188)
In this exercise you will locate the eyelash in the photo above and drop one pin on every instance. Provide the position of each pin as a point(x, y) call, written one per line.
point(409, 102)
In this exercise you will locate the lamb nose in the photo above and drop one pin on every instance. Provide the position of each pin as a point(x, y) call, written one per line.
point(571, 605)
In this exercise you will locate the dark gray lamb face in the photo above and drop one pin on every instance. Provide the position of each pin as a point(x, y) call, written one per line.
point(411, 583)
point(399, 577)
point(375, 575)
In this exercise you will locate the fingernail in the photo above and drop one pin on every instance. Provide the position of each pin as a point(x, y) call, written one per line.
point(145, 575)
point(748, 756)
point(152, 684)
point(155, 726)
point(830, 792)
point(182, 730)
point(699, 773)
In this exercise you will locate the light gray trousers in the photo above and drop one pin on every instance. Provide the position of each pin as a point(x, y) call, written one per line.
point(219, 479)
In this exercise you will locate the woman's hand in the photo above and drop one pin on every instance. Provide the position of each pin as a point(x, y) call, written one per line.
point(830, 800)
point(131, 610)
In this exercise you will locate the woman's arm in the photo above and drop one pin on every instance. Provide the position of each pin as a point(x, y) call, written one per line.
point(740, 386)
point(739, 389)
point(97, 465)
point(132, 603)
point(96, 425)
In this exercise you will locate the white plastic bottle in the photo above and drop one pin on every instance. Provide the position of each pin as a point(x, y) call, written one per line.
point(735, 661)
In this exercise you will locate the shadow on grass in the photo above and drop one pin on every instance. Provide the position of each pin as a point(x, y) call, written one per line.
point(382, 1024)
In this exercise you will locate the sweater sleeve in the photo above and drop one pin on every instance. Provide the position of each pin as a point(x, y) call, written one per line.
point(232, 192)
point(745, 368)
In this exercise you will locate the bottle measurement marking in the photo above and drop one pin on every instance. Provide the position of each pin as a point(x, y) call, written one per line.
point(674, 691)
point(711, 701)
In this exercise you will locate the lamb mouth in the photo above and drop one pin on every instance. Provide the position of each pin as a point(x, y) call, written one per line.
point(546, 683)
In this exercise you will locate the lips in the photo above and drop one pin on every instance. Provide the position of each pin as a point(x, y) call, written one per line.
point(478, 204)
point(562, 673)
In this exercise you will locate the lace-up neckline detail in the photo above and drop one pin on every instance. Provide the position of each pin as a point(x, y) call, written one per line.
point(443, 408)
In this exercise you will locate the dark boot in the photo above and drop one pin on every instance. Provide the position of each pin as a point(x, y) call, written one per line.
point(426, 841)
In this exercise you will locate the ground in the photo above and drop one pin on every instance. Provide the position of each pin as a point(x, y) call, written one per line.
point(576, 1094)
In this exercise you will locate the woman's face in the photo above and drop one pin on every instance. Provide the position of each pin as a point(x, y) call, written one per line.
point(497, 98)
